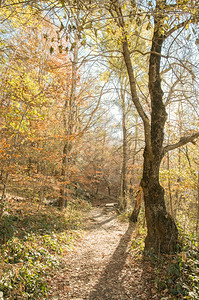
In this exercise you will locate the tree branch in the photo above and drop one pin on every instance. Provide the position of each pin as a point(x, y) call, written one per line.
point(132, 82)
point(172, 30)
point(93, 112)
point(183, 141)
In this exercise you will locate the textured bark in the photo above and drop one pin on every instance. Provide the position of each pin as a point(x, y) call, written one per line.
point(135, 98)
point(134, 216)
point(162, 233)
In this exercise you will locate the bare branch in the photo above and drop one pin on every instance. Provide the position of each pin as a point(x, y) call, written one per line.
point(183, 141)
point(180, 25)
point(93, 112)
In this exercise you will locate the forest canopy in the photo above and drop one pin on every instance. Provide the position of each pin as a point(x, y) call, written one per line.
point(100, 99)
point(99, 105)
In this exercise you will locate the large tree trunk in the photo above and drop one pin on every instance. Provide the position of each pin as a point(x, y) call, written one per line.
point(162, 231)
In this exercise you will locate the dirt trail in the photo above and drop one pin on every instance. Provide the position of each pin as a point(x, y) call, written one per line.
point(101, 266)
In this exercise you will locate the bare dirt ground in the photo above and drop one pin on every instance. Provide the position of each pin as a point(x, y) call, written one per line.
point(101, 266)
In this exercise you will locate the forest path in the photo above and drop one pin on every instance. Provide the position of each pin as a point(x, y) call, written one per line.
point(101, 266)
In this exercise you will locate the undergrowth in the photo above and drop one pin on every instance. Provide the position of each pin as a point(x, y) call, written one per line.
point(33, 242)
point(177, 276)
point(172, 276)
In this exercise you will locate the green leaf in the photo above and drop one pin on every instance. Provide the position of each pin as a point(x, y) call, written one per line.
point(197, 42)
point(62, 2)
point(60, 47)
point(187, 26)
point(88, 26)
point(83, 43)
point(148, 26)
point(72, 46)
point(51, 50)
point(80, 28)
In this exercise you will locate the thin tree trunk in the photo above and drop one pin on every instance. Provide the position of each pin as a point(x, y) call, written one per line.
point(177, 194)
point(137, 207)
point(123, 203)
point(134, 216)
point(136, 139)
point(68, 123)
point(3, 196)
point(168, 169)
point(169, 186)
point(134, 171)
point(197, 222)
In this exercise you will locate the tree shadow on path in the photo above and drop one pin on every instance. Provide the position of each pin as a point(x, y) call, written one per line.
point(109, 285)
